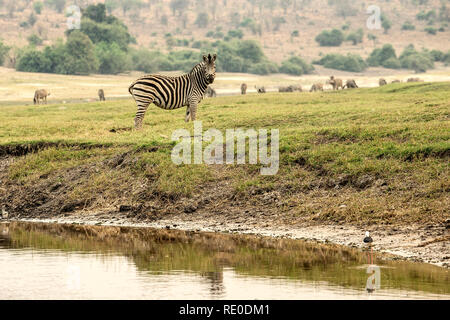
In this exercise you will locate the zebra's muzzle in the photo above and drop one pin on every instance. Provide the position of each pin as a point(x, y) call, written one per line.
point(210, 79)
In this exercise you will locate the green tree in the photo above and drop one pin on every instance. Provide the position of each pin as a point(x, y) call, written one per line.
point(250, 50)
point(333, 38)
point(34, 40)
point(385, 23)
point(111, 58)
point(4, 49)
point(356, 37)
point(33, 61)
point(37, 7)
point(81, 57)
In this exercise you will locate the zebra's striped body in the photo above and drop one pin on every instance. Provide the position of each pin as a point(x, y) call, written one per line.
point(174, 92)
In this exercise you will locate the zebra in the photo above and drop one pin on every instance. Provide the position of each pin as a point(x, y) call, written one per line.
point(101, 95)
point(174, 92)
point(243, 88)
point(41, 94)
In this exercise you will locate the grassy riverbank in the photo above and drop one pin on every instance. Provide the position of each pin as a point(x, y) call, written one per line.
point(364, 156)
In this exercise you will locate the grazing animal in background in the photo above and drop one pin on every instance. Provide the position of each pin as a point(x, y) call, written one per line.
point(39, 95)
point(382, 82)
point(174, 92)
point(351, 84)
point(101, 95)
point(244, 88)
point(260, 89)
point(396, 81)
point(414, 80)
point(210, 92)
point(335, 83)
point(290, 89)
point(316, 87)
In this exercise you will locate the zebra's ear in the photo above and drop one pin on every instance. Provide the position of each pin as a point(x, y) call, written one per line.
point(205, 58)
point(214, 57)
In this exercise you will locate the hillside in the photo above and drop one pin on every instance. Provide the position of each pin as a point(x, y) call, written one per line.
point(266, 21)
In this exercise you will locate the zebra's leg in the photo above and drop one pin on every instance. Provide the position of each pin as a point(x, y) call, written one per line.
point(193, 110)
point(188, 114)
point(138, 120)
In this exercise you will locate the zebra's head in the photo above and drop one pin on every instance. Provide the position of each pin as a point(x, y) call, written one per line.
point(210, 67)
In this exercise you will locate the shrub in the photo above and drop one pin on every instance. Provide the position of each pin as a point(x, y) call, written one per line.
point(236, 34)
point(356, 37)
point(33, 61)
point(250, 50)
point(417, 62)
point(296, 66)
point(111, 58)
point(385, 23)
point(350, 62)
point(37, 7)
point(392, 63)
point(4, 49)
point(263, 68)
point(333, 38)
point(378, 56)
point(430, 30)
point(437, 55)
point(408, 26)
point(34, 40)
point(32, 19)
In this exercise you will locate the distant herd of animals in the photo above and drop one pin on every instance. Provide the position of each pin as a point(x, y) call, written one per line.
point(187, 90)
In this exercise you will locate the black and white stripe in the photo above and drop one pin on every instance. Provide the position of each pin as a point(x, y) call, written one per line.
point(174, 92)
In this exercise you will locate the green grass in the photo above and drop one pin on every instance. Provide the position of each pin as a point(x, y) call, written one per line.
point(398, 134)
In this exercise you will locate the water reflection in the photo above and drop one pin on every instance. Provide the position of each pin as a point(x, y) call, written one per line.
point(69, 261)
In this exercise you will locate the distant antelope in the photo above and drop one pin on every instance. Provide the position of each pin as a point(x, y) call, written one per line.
point(316, 87)
point(414, 80)
point(243, 88)
point(336, 83)
point(101, 95)
point(290, 89)
point(350, 84)
point(260, 89)
point(39, 95)
point(382, 82)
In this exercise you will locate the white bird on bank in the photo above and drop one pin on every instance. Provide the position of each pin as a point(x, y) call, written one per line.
point(368, 241)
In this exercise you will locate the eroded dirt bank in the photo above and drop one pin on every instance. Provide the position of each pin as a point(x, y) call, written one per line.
point(216, 207)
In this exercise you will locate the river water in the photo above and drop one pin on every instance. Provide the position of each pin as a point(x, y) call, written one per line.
point(45, 261)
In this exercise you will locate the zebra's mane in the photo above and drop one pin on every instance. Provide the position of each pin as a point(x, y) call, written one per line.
point(197, 67)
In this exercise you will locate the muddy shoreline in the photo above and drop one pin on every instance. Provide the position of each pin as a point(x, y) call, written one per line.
point(427, 244)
